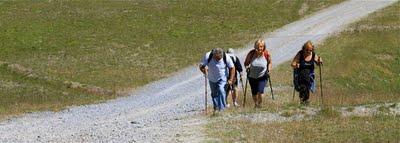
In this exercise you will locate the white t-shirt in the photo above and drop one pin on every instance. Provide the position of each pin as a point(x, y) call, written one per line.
point(217, 70)
point(258, 67)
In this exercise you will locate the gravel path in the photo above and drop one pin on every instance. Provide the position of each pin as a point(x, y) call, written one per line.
point(168, 110)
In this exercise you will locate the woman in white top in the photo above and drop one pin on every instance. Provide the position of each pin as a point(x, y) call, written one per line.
point(258, 64)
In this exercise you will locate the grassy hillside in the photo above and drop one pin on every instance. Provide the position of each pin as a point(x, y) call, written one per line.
point(361, 66)
point(121, 45)
point(129, 44)
point(21, 94)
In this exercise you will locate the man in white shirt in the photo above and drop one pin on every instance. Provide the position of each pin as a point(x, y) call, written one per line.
point(214, 65)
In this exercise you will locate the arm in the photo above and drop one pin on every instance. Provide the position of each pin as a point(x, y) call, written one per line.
point(232, 70)
point(295, 62)
point(231, 74)
point(269, 62)
point(248, 59)
point(203, 69)
point(204, 63)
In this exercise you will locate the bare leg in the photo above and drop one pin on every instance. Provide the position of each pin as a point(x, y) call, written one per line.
point(227, 95)
point(259, 95)
point(255, 99)
point(234, 96)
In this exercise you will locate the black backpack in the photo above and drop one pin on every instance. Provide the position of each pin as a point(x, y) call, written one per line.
point(302, 76)
point(301, 79)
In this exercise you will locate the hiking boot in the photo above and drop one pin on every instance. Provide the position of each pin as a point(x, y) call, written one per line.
point(257, 106)
point(305, 103)
point(236, 104)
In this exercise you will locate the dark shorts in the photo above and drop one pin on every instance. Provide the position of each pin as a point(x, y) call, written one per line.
point(257, 85)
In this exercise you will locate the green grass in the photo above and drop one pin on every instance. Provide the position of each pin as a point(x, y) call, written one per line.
point(122, 45)
point(128, 44)
point(20, 94)
point(360, 67)
point(379, 128)
point(364, 66)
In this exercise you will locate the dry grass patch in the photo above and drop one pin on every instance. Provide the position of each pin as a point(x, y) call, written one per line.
point(325, 127)
point(360, 67)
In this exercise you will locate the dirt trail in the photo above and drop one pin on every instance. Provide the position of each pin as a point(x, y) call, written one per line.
point(163, 111)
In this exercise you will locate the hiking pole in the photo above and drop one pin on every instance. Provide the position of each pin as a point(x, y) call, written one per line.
point(270, 85)
point(243, 90)
point(244, 95)
point(294, 87)
point(241, 81)
point(294, 92)
point(245, 86)
point(320, 79)
point(205, 95)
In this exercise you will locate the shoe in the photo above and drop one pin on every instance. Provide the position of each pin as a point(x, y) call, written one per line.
point(228, 105)
point(305, 103)
point(236, 104)
point(256, 106)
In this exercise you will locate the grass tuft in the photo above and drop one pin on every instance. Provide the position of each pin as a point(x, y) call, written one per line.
point(329, 112)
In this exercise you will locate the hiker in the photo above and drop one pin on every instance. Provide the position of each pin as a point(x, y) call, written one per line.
point(303, 65)
point(258, 65)
point(215, 65)
point(232, 90)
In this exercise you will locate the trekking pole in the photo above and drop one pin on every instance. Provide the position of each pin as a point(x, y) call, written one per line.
point(205, 95)
point(270, 85)
point(294, 87)
point(245, 86)
point(241, 81)
point(294, 92)
point(320, 78)
point(244, 95)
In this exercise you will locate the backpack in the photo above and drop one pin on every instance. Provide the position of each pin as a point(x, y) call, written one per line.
point(302, 78)
point(234, 59)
